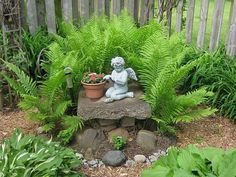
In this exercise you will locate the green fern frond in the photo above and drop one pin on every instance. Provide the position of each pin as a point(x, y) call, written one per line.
point(29, 102)
point(71, 124)
point(195, 115)
point(28, 86)
point(36, 116)
point(48, 127)
point(61, 108)
point(194, 98)
point(50, 87)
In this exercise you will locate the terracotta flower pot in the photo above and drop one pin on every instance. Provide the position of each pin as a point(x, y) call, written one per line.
point(94, 90)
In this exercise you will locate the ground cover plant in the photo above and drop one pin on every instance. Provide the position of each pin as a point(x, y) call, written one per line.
point(192, 162)
point(27, 156)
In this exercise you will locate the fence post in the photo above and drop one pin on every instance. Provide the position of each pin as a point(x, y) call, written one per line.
point(32, 16)
point(189, 23)
point(179, 14)
point(216, 24)
point(231, 44)
point(51, 17)
point(202, 23)
point(67, 10)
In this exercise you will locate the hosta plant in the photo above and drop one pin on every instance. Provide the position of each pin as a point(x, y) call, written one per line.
point(194, 162)
point(30, 156)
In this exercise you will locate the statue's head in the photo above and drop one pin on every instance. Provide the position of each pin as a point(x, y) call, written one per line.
point(118, 64)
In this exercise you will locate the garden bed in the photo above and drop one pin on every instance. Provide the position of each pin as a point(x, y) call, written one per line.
point(215, 131)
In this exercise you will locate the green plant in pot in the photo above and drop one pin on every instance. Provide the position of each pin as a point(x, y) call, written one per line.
point(94, 85)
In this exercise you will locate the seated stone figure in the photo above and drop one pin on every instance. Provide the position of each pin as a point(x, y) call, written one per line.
point(120, 77)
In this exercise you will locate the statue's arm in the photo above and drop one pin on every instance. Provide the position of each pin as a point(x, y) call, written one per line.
point(107, 77)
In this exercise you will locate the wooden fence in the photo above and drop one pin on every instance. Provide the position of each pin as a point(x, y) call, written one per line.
point(35, 13)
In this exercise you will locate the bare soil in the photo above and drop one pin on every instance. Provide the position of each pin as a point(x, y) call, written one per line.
point(214, 131)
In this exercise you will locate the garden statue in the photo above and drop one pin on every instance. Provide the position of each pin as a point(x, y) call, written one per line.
point(119, 76)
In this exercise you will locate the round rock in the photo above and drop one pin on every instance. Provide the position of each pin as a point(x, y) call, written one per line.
point(114, 158)
point(146, 140)
point(139, 158)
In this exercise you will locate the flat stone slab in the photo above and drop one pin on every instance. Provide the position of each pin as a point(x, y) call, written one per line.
point(126, 108)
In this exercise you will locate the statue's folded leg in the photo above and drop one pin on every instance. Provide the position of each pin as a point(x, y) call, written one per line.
point(121, 96)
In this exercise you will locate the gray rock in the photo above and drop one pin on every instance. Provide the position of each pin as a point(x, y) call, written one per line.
point(79, 156)
point(85, 165)
point(128, 122)
point(129, 163)
point(148, 162)
point(90, 138)
point(118, 132)
point(146, 140)
point(139, 158)
point(114, 158)
point(101, 164)
point(88, 154)
point(40, 130)
point(92, 162)
point(129, 107)
point(152, 158)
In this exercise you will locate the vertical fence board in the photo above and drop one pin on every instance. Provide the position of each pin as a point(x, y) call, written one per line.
point(231, 44)
point(179, 15)
point(107, 7)
point(202, 23)
point(151, 10)
point(146, 8)
point(169, 16)
point(189, 22)
point(75, 11)
point(216, 24)
point(40, 5)
point(84, 10)
point(51, 16)
point(67, 10)
point(23, 13)
point(117, 6)
point(160, 7)
point(136, 11)
point(32, 16)
point(129, 5)
point(99, 7)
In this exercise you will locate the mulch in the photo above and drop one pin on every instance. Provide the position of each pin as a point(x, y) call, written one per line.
point(214, 131)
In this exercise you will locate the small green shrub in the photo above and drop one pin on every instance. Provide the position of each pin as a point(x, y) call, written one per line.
point(119, 142)
point(194, 162)
point(29, 156)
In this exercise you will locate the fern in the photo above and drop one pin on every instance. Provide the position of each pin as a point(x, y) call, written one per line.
point(161, 74)
point(71, 124)
point(25, 84)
